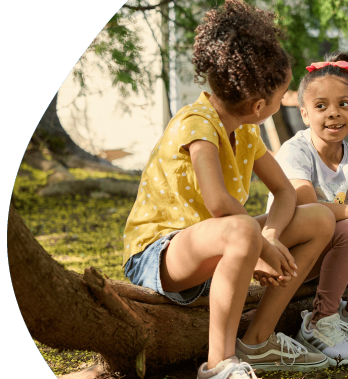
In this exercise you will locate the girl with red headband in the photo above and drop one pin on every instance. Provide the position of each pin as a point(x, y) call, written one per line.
point(316, 162)
point(188, 233)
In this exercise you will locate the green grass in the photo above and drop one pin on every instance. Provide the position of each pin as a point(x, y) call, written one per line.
point(79, 231)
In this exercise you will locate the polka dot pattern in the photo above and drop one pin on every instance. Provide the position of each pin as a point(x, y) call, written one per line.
point(167, 199)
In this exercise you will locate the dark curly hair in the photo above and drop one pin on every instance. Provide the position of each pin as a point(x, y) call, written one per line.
point(237, 50)
point(341, 73)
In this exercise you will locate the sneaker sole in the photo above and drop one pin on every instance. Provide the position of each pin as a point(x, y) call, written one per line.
point(296, 367)
point(311, 348)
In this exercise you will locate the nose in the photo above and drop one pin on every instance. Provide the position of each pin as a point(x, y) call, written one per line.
point(334, 113)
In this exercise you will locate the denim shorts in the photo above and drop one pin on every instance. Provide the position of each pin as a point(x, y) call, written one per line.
point(143, 269)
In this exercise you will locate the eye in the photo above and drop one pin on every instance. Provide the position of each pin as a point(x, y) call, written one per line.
point(344, 103)
point(320, 106)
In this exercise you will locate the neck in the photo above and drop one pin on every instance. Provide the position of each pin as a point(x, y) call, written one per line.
point(330, 152)
point(229, 121)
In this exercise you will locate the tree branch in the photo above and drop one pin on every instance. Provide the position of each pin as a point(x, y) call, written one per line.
point(148, 7)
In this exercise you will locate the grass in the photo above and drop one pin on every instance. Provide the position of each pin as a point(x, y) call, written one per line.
point(79, 231)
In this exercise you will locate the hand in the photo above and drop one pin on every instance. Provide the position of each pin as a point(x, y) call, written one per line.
point(273, 268)
point(271, 281)
point(285, 251)
point(278, 257)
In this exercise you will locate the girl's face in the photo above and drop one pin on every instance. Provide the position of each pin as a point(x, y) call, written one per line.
point(274, 105)
point(326, 108)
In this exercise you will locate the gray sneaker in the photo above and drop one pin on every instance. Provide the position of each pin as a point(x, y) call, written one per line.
point(328, 338)
point(281, 352)
point(227, 369)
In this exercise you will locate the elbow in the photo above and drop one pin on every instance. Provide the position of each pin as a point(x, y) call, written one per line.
point(216, 209)
point(217, 213)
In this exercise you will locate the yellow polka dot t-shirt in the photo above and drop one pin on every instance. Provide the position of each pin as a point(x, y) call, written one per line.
point(169, 197)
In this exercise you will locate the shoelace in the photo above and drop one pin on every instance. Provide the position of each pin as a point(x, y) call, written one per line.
point(241, 369)
point(293, 346)
point(334, 330)
point(343, 325)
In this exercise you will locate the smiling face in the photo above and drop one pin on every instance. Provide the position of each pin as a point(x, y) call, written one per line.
point(326, 108)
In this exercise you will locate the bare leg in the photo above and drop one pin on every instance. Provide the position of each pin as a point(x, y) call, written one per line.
point(308, 233)
point(226, 249)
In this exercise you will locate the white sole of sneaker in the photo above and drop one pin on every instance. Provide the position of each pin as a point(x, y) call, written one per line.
point(311, 348)
point(296, 367)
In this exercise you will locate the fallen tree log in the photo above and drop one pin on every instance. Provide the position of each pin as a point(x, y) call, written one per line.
point(62, 182)
point(135, 330)
point(110, 186)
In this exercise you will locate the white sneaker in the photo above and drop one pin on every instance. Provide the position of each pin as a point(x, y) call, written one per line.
point(227, 369)
point(340, 309)
point(328, 338)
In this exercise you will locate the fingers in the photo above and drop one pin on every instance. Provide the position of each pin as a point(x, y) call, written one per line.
point(265, 280)
point(285, 251)
point(285, 279)
point(273, 283)
point(285, 264)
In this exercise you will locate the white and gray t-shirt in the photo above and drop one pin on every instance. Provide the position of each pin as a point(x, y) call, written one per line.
point(299, 160)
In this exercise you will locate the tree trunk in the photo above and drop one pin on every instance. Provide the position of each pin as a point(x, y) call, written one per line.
point(55, 138)
point(133, 328)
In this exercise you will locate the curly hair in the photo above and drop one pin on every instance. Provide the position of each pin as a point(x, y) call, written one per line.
point(340, 72)
point(237, 50)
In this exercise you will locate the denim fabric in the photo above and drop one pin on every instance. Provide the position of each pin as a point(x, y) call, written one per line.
point(143, 269)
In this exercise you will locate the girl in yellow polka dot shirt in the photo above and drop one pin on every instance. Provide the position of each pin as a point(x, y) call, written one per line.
point(188, 234)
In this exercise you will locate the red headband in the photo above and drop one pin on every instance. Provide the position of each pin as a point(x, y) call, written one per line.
point(317, 65)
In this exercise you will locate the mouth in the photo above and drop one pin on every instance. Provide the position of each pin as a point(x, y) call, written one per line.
point(334, 128)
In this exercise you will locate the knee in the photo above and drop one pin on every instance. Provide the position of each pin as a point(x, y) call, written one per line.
point(244, 232)
point(341, 231)
point(322, 220)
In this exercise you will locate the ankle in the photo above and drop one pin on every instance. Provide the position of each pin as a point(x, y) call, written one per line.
point(253, 340)
point(213, 363)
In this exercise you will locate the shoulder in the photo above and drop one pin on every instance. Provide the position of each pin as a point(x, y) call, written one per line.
point(299, 142)
point(248, 132)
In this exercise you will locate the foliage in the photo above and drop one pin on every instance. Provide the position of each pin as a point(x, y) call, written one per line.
point(79, 231)
point(313, 28)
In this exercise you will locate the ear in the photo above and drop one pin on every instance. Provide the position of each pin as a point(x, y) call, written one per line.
point(258, 105)
point(304, 115)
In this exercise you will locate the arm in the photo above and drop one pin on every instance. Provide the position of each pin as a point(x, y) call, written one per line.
point(280, 214)
point(206, 164)
point(283, 207)
point(218, 201)
point(306, 195)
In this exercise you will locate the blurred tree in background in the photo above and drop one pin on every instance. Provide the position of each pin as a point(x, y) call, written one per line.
point(313, 27)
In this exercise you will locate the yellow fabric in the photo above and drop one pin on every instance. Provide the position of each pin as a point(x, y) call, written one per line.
point(169, 197)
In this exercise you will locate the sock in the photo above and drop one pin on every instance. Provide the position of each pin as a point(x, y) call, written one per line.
point(255, 346)
point(234, 359)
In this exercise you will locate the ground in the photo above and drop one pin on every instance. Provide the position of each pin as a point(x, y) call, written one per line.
point(79, 231)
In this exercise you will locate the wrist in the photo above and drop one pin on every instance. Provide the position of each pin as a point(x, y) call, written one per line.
point(270, 234)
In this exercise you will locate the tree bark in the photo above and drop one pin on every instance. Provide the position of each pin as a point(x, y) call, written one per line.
point(134, 329)
point(55, 138)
